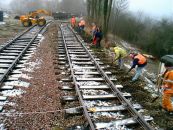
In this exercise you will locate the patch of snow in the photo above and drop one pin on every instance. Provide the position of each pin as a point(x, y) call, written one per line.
point(41, 36)
point(94, 92)
point(25, 76)
point(115, 115)
point(32, 66)
point(2, 127)
point(88, 83)
point(127, 66)
point(2, 23)
point(7, 103)
point(17, 83)
point(17, 71)
point(12, 93)
point(97, 103)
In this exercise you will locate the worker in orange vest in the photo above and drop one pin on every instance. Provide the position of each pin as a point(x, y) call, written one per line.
point(140, 61)
point(168, 89)
point(73, 21)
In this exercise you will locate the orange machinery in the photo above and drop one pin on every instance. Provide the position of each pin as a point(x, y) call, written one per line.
point(34, 18)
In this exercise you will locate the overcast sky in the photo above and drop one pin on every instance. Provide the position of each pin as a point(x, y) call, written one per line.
point(5, 1)
point(154, 8)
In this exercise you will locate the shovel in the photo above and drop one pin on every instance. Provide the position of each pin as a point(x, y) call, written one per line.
point(158, 84)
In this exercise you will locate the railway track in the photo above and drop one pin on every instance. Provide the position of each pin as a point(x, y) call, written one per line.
point(12, 56)
point(103, 102)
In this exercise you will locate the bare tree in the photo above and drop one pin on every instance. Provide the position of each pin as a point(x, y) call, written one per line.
point(119, 7)
point(99, 12)
point(73, 6)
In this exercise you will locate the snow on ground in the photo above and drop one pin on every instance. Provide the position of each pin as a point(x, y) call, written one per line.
point(27, 66)
point(13, 93)
point(149, 77)
point(2, 23)
point(2, 127)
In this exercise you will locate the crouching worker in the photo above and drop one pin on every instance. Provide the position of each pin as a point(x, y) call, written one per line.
point(140, 61)
point(98, 37)
point(168, 89)
point(120, 54)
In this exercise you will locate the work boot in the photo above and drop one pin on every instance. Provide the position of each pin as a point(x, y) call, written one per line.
point(170, 113)
point(132, 81)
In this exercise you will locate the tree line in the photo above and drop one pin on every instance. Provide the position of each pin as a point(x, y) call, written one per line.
point(154, 37)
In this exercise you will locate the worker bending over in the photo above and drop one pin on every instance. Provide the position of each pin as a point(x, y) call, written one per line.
point(120, 54)
point(168, 89)
point(93, 30)
point(98, 37)
point(140, 61)
point(82, 25)
point(73, 21)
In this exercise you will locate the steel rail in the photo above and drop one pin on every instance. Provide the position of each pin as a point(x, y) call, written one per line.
point(18, 36)
point(10, 68)
point(76, 85)
point(138, 117)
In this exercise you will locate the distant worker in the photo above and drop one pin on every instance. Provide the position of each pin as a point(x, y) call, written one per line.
point(168, 89)
point(79, 27)
point(98, 37)
point(140, 61)
point(73, 21)
point(120, 54)
point(93, 30)
point(82, 24)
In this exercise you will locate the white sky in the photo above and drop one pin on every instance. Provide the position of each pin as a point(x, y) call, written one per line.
point(154, 8)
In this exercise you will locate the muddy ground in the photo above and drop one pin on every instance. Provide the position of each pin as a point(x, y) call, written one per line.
point(139, 94)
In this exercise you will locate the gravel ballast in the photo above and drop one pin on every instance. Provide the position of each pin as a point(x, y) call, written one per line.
point(42, 95)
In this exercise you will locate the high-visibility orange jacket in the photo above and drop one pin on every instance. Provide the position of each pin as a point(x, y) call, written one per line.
point(73, 20)
point(169, 85)
point(141, 59)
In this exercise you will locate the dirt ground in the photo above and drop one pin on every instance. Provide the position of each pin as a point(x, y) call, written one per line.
point(139, 94)
point(10, 29)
